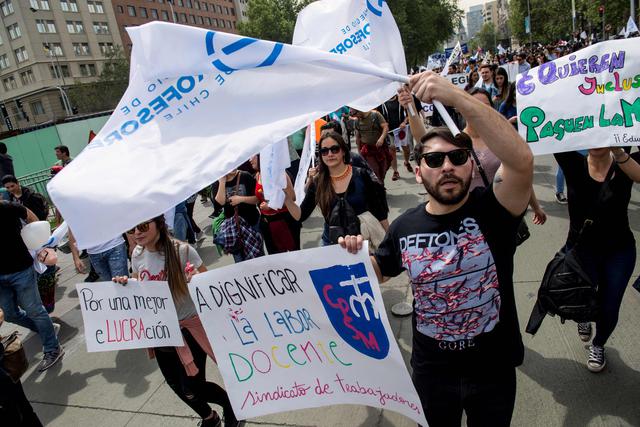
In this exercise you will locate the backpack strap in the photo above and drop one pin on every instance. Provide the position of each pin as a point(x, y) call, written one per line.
point(483, 174)
point(594, 212)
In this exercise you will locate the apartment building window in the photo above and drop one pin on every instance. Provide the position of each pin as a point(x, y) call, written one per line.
point(233, 11)
point(105, 48)
point(220, 9)
point(143, 12)
point(234, 25)
point(44, 5)
point(165, 15)
point(37, 108)
point(228, 24)
point(200, 20)
point(120, 9)
point(75, 27)
point(226, 10)
point(208, 20)
point(196, 4)
point(0, 40)
point(27, 77)
point(59, 70)
point(10, 83)
point(180, 3)
point(192, 19)
point(45, 26)
point(14, 31)
point(69, 5)
point(39, 4)
point(4, 62)
point(215, 22)
point(189, 5)
point(95, 6)
point(183, 18)
point(154, 13)
point(7, 7)
point(53, 49)
point(21, 54)
point(222, 24)
point(101, 28)
point(131, 10)
point(205, 6)
point(81, 49)
point(88, 70)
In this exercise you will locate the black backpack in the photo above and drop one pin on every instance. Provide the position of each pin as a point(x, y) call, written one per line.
point(566, 289)
point(342, 221)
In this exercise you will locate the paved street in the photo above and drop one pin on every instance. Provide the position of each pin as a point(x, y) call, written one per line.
point(554, 387)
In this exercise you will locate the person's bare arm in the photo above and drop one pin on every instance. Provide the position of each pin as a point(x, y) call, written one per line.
point(512, 185)
point(629, 166)
point(75, 254)
point(416, 124)
point(221, 195)
point(31, 217)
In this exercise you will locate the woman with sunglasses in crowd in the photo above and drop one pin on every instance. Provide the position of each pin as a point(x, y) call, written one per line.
point(335, 178)
point(159, 257)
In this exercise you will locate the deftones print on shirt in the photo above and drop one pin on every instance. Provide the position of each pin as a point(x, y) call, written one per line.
point(455, 283)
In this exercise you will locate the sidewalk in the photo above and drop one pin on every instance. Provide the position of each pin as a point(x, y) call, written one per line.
point(554, 388)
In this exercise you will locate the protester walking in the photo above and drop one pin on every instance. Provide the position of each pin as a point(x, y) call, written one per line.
point(458, 251)
point(343, 192)
point(371, 137)
point(280, 231)
point(610, 172)
point(19, 297)
point(159, 257)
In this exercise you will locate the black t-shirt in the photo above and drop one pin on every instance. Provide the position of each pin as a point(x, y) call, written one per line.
point(14, 256)
point(246, 187)
point(394, 113)
point(461, 271)
point(611, 224)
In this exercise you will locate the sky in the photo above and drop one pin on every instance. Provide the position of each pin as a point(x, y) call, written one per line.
point(466, 4)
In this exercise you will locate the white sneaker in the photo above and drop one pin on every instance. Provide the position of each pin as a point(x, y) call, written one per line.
point(597, 361)
point(56, 328)
point(585, 331)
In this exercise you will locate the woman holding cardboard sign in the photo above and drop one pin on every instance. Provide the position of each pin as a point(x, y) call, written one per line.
point(159, 257)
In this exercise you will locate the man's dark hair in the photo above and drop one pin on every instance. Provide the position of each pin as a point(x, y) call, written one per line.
point(63, 149)
point(9, 178)
point(462, 140)
point(479, 90)
point(332, 125)
point(3, 148)
point(484, 66)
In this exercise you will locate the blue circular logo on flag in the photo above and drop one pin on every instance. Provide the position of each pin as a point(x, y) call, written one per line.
point(241, 54)
point(374, 9)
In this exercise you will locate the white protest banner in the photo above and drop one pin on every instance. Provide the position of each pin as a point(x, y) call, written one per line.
point(182, 124)
point(512, 69)
point(306, 159)
point(138, 315)
point(303, 329)
point(588, 99)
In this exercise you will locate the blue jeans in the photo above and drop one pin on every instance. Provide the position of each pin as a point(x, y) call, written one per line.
point(611, 269)
point(559, 181)
point(20, 300)
point(111, 263)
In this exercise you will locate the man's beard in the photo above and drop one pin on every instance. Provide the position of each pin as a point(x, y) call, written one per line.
point(448, 197)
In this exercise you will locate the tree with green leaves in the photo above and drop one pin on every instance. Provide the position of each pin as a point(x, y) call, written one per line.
point(486, 38)
point(105, 93)
point(551, 19)
point(272, 19)
point(424, 25)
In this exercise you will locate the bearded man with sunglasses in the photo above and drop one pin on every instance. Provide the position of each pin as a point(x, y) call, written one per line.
point(458, 249)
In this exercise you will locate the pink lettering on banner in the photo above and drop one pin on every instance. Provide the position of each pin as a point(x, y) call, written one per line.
point(279, 393)
point(382, 396)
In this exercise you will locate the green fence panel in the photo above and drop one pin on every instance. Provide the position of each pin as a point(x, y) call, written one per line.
point(75, 135)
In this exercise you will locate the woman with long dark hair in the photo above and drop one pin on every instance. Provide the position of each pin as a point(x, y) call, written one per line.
point(472, 79)
point(159, 257)
point(508, 107)
point(502, 84)
point(335, 180)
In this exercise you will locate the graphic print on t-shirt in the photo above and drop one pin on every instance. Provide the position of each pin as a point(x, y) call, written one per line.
point(455, 282)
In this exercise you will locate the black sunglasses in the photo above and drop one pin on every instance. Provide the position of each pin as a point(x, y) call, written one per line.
point(435, 159)
point(335, 149)
point(143, 227)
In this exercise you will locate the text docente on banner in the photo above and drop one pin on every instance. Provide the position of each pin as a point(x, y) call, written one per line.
point(303, 329)
point(138, 315)
point(588, 99)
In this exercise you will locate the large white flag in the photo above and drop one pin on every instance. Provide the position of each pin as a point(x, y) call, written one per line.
point(631, 27)
point(200, 103)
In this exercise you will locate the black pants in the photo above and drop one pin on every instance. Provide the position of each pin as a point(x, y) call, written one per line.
point(194, 226)
point(15, 409)
point(487, 396)
point(195, 391)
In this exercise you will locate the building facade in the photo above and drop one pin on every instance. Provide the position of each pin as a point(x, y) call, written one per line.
point(490, 13)
point(46, 46)
point(474, 20)
point(241, 8)
point(219, 15)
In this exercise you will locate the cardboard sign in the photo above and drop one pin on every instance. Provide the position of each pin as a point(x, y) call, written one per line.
point(303, 329)
point(138, 315)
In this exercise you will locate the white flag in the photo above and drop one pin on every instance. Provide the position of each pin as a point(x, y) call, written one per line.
point(184, 122)
point(455, 56)
point(274, 160)
point(583, 35)
point(631, 28)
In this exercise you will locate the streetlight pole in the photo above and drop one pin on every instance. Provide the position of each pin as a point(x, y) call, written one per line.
point(173, 15)
point(573, 14)
point(530, 30)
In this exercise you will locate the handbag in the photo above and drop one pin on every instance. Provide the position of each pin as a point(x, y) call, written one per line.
point(523, 229)
point(566, 289)
point(14, 358)
point(343, 221)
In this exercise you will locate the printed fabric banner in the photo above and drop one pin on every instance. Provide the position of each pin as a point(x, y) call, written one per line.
point(459, 80)
point(120, 317)
point(588, 99)
point(303, 329)
point(182, 124)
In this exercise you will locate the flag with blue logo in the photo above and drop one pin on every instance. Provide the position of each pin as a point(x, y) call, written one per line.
point(201, 102)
